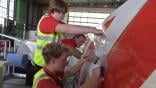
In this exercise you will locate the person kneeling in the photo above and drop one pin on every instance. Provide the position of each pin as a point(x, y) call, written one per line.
point(55, 56)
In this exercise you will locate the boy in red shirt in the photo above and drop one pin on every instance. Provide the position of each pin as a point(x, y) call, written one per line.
point(50, 76)
point(74, 43)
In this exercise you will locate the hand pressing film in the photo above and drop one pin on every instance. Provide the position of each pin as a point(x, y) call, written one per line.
point(89, 50)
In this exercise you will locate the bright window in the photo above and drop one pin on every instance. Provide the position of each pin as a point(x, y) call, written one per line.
point(87, 19)
point(4, 10)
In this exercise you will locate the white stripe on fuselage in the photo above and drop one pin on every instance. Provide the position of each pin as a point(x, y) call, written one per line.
point(123, 16)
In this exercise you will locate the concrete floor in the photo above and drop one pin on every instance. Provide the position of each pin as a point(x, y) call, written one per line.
point(12, 80)
point(15, 83)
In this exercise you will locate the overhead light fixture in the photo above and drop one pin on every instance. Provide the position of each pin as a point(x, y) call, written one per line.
point(105, 6)
point(91, 4)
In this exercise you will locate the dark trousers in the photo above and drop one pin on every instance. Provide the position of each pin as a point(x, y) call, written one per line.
point(30, 72)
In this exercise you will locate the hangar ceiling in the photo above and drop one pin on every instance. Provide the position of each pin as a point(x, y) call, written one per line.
point(88, 3)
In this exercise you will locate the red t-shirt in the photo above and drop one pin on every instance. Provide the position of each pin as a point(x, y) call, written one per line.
point(48, 24)
point(54, 82)
point(69, 42)
point(1, 45)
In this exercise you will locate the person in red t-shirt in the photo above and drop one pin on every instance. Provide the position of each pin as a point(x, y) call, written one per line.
point(50, 27)
point(74, 43)
point(55, 55)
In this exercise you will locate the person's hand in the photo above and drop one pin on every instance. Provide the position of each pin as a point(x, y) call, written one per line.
point(96, 73)
point(89, 51)
point(99, 32)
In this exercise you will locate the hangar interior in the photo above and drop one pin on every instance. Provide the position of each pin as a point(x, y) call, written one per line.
point(19, 19)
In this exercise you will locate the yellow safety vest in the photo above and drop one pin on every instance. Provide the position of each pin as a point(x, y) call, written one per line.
point(40, 75)
point(42, 40)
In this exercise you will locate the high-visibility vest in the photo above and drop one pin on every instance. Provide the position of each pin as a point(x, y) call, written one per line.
point(40, 75)
point(42, 40)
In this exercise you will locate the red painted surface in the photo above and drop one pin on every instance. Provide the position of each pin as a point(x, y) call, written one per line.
point(1, 45)
point(133, 57)
point(107, 24)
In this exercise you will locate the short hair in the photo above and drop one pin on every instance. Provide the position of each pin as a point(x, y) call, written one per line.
point(54, 50)
point(79, 35)
point(57, 6)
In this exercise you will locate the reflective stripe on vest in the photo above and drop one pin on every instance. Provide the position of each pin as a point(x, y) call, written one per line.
point(40, 76)
point(42, 40)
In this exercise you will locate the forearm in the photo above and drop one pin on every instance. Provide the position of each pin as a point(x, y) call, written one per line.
point(91, 83)
point(81, 29)
point(75, 53)
point(87, 27)
point(74, 29)
point(74, 69)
